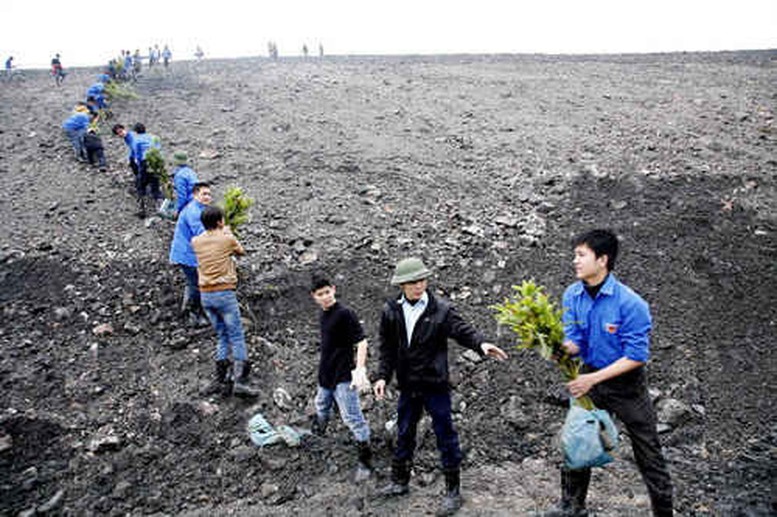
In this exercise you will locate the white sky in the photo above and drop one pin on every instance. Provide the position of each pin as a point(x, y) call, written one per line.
point(89, 33)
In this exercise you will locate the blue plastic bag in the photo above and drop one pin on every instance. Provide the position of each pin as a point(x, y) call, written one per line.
point(261, 432)
point(587, 437)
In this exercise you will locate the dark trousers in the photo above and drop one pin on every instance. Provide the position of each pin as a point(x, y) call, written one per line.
point(409, 410)
point(627, 398)
point(96, 154)
point(145, 182)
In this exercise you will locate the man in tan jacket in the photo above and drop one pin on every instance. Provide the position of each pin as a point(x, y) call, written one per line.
point(215, 249)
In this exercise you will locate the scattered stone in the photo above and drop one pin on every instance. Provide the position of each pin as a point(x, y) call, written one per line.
point(62, 313)
point(506, 220)
point(6, 443)
point(268, 490)
point(282, 399)
point(131, 328)
point(471, 356)
point(52, 504)
point(308, 257)
point(209, 154)
point(103, 329)
point(474, 229)
point(672, 412)
point(104, 443)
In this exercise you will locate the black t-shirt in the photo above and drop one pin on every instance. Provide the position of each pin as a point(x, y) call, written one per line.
point(340, 331)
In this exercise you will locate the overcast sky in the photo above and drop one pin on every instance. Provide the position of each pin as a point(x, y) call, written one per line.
point(89, 33)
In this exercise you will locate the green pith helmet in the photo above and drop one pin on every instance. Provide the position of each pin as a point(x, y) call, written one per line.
point(180, 158)
point(409, 270)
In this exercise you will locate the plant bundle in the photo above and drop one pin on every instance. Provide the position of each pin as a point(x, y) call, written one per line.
point(116, 90)
point(156, 166)
point(537, 322)
point(236, 206)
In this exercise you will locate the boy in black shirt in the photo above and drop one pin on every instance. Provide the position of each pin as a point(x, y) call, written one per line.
point(339, 379)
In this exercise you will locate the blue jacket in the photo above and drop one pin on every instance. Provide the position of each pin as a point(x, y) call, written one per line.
point(187, 227)
point(129, 139)
point(184, 179)
point(614, 325)
point(141, 144)
point(95, 90)
point(76, 122)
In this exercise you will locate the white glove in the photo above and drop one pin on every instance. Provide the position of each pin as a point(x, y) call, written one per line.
point(359, 380)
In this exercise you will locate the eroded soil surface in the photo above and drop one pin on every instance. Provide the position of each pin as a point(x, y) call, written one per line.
point(484, 166)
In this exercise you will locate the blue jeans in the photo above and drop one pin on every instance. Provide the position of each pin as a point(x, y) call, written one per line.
point(224, 314)
point(350, 411)
point(76, 137)
point(192, 294)
point(438, 405)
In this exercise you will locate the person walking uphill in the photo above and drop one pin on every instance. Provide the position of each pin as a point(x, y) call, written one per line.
point(188, 226)
point(340, 379)
point(218, 281)
point(414, 332)
point(608, 326)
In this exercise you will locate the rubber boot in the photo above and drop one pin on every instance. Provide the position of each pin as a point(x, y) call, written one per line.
point(220, 381)
point(318, 425)
point(452, 500)
point(240, 386)
point(141, 213)
point(400, 479)
point(364, 465)
point(574, 489)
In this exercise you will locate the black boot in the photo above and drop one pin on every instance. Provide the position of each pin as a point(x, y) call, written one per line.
point(574, 489)
point(364, 467)
point(452, 500)
point(240, 386)
point(318, 425)
point(400, 479)
point(220, 381)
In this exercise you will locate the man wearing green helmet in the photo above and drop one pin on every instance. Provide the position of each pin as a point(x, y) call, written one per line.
point(414, 332)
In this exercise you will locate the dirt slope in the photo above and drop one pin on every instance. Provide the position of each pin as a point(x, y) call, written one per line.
point(482, 165)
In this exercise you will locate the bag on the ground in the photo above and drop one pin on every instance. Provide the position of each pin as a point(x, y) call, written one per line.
point(587, 437)
point(261, 432)
point(167, 209)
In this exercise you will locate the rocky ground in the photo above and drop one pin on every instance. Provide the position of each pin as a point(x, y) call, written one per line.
point(482, 165)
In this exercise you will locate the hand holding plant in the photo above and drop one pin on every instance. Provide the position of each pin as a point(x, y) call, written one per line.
point(537, 322)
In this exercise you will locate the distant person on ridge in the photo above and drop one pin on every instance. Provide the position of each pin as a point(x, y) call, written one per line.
point(9, 68)
point(56, 70)
point(167, 55)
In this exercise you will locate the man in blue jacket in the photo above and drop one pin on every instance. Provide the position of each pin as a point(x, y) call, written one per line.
point(608, 326)
point(146, 183)
point(75, 128)
point(187, 227)
point(97, 91)
point(184, 179)
point(129, 140)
